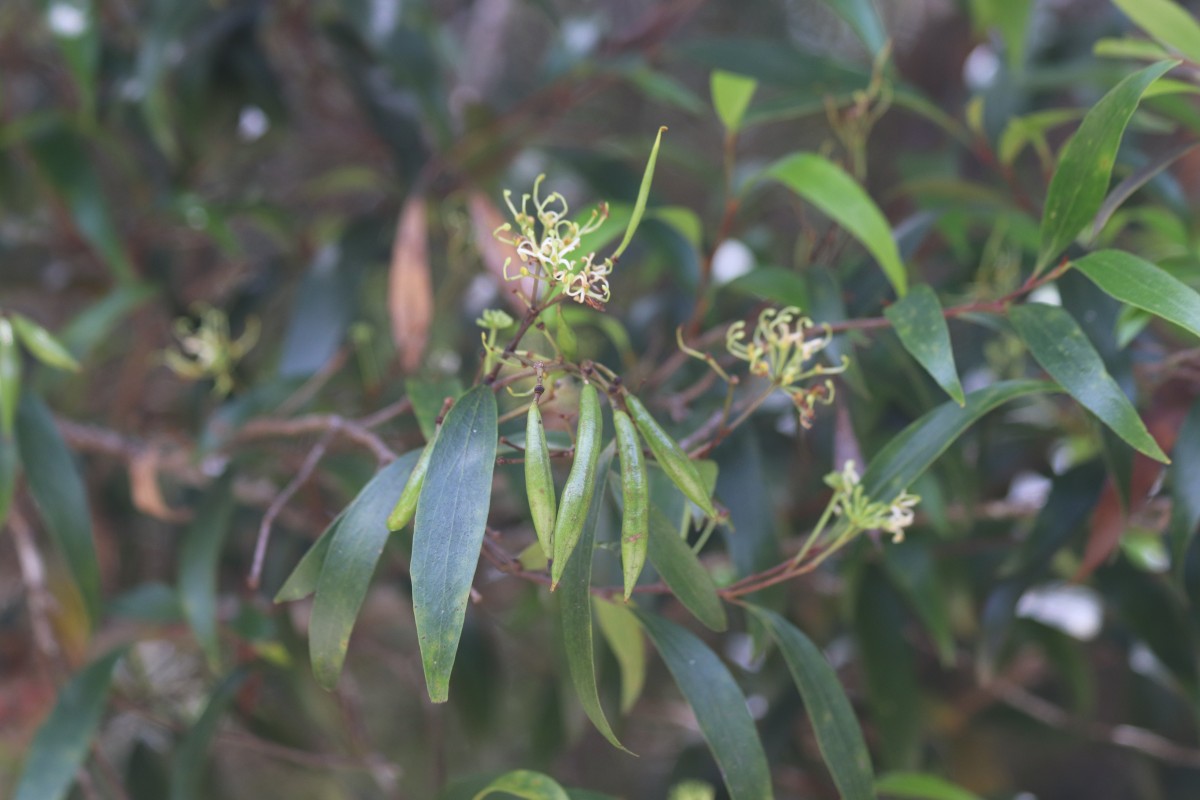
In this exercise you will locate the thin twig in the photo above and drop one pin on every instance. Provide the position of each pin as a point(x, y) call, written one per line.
point(281, 500)
point(33, 573)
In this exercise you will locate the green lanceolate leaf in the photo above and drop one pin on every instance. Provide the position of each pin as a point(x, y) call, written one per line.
point(303, 580)
point(864, 19)
point(670, 457)
point(1144, 285)
point(61, 497)
point(198, 564)
point(410, 492)
point(719, 705)
point(731, 96)
point(448, 533)
point(526, 784)
point(539, 480)
point(354, 548)
point(191, 757)
point(1167, 21)
point(683, 573)
point(1061, 347)
point(575, 610)
point(42, 344)
point(920, 786)
point(639, 206)
point(1086, 163)
point(578, 492)
point(828, 187)
point(428, 397)
point(624, 636)
point(635, 496)
point(914, 449)
point(61, 744)
point(838, 733)
point(918, 320)
point(10, 377)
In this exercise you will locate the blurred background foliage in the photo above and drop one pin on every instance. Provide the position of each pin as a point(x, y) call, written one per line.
point(160, 159)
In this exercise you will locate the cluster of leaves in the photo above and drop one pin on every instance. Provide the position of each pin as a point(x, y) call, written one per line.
point(765, 490)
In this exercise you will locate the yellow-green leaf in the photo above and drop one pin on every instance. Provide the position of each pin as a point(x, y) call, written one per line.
point(918, 320)
point(1147, 286)
point(731, 95)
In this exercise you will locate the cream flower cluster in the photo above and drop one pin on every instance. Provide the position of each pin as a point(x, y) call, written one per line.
point(552, 256)
point(851, 502)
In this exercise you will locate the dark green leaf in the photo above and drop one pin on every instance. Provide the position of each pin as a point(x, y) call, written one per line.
point(624, 636)
point(1185, 487)
point(913, 570)
point(575, 608)
point(864, 19)
point(320, 314)
point(96, 323)
point(828, 187)
point(719, 705)
point(1144, 285)
point(190, 762)
point(61, 744)
point(198, 558)
point(886, 659)
point(1085, 165)
point(303, 579)
point(1167, 21)
point(61, 157)
point(682, 571)
point(525, 784)
point(42, 344)
point(918, 320)
point(921, 786)
point(448, 532)
point(1060, 346)
point(355, 544)
point(905, 457)
point(57, 487)
point(10, 465)
point(838, 733)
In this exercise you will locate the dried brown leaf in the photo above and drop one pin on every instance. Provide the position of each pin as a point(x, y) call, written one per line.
point(410, 286)
point(144, 489)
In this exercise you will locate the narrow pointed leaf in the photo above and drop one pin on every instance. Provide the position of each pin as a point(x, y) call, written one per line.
point(191, 757)
point(57, 487)
point(1167, 21)
point(43, 345)
point(303, 579)
point(682, 571)
point(731, 96)
point(918, 320)
point(575, 609)
point(1061, 347)
point(913, 450)
point(639, 206)
point(920, 786)
point(525, 784)
point(198, 559)
point(1086, 163)
point(10, 377)
point(448, 531)
point(61, 744)
point(864, 19)
point(828, 187)
point(354, 548)
point(1144, 285)
point(719, 705)
point(838, 733)
point(624, 636)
